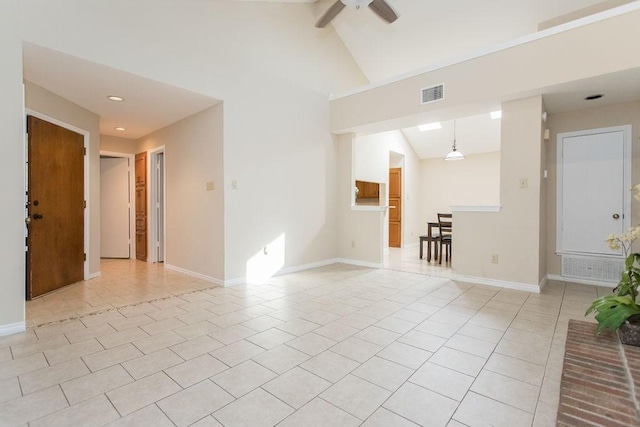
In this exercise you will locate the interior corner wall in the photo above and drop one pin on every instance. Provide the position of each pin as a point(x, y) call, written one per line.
point(360, 235)
point(194, 216)
point(44, 102)
point(118, 145)
point(514, 232)
point(571, 121)
point(371, 163)
point(12, 274)
point(472, 182)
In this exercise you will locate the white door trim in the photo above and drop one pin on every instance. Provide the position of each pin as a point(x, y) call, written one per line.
point(152, 235)
point(627, 160)
point(87, 198)
point(132, 196)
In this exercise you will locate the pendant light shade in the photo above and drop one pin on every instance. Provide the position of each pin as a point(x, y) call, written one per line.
point(454, 154)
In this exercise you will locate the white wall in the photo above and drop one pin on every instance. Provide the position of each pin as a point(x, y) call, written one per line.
point(12, 273)
point(371, 163)
point(273, 70)
point(51, 105)
point(194, 216)
point(360, 236)
point(473, 181)
point(119, 145)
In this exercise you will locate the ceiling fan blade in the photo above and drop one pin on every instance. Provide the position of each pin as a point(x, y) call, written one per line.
point(330, 14)
point(383, 10)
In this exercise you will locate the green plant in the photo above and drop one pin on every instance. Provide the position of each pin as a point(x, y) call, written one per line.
point(612, 310)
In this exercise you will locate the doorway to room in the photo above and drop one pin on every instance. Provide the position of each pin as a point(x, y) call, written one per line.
point(116, 195)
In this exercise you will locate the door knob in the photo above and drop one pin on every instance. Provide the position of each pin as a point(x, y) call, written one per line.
point(616, 216)
point(27, 220)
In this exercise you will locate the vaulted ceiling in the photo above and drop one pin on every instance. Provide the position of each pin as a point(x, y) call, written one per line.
point(427, 33)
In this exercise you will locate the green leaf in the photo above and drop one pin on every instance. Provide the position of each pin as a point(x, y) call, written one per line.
point(612, 311)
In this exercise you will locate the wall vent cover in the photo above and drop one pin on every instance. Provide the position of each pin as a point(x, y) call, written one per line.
point(432, 94)
point(592, 268)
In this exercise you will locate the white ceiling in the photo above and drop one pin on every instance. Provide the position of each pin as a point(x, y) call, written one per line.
point(148, 105)
point(425, 34)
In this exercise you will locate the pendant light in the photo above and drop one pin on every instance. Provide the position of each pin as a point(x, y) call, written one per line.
point(454, 154)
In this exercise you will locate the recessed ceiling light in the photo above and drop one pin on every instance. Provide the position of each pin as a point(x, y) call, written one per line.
point(121, 129)
point(430, 126)
point(496, 114)
point(115, 98)
point(592, 97)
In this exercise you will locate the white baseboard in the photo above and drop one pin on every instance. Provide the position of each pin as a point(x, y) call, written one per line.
point(497, 283)
point(559, 278)
point(309, 266)
point(286, 270)
point(94, 275)
point(297, 268)
point(411, 245)
point(194, 274)
point(360, 263)
point(542, 283)
point(12, 328)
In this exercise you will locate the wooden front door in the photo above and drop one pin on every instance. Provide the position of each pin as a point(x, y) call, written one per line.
point(141, 206)
point(55, 206)
point(395, 207)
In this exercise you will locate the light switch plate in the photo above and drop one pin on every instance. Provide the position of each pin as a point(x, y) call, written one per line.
point(209, 185)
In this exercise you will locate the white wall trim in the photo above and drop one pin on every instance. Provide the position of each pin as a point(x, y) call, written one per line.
point(477, 208)
point(295, 269)
point(542, 283)
point(87, 196)
point(411, 245)
point(194, 274)
point(360, 263)
point(286, 270)
point(94, 275)
point(132, 197)
point(364, 208)
point(559, 278)
point(152, 215)
point(309, 266)
point(578, 23)
point(497, 283)
point(12, 328)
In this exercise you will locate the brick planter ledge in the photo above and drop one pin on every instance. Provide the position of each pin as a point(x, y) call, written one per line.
point(600, 382)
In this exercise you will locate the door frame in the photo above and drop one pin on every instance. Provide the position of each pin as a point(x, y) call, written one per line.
point(87, 211)
point(152, 199)
point(132, 196)
point(627, 160)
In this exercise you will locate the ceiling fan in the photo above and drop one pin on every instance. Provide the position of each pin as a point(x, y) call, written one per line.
point(380, 7)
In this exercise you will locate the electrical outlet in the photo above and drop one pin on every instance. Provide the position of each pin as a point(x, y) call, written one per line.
point(265, 251)
point(494, 258)
point(234, 185)
point(524, 182)
point(209, 185)
point(353, 244)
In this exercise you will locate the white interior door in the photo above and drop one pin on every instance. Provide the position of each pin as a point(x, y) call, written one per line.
point(114, 208)
point(593, 191)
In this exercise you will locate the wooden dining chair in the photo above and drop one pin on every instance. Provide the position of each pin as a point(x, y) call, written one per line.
point(444, 238)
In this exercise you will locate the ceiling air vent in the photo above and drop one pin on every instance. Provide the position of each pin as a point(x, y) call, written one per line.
point(432, 94)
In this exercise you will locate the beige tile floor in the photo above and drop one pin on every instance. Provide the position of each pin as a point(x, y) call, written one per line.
point(334, 346)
